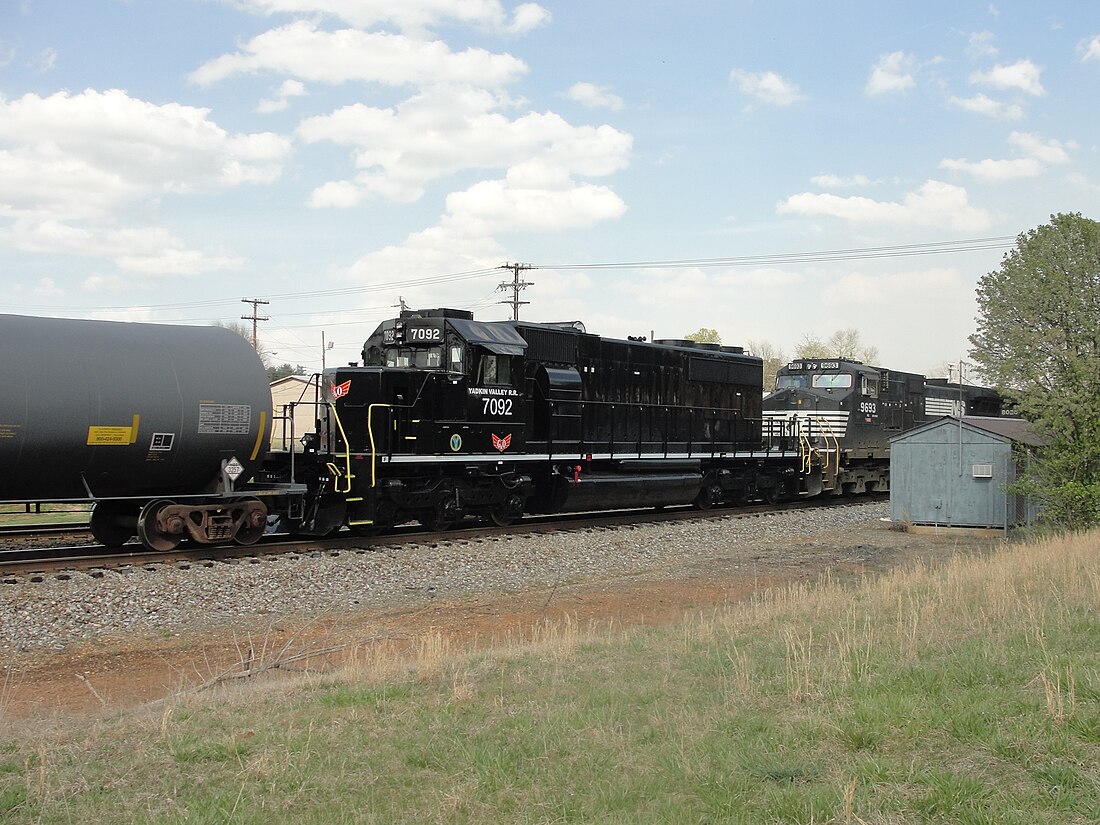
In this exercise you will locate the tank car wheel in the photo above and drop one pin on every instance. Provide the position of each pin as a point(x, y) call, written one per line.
point(508, 512)
point(254, 522)
point(113, 523)
point(153, 534)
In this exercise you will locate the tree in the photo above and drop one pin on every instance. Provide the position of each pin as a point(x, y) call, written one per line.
point(705, 335)
point(773, 359)
point(1038, 342)
point(284, 370)
point(844, 343)
point(245, 332)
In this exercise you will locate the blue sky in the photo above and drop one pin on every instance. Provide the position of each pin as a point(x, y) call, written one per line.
point(163, 160)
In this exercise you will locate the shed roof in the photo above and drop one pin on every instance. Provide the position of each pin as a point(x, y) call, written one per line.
point(1014, 429)
point(1009, 429)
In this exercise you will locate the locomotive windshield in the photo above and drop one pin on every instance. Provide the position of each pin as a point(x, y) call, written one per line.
point(832, 380)
point(818, 380)
point(792, 382)
point(427, 358)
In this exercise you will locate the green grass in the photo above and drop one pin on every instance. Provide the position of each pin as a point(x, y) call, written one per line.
point(963, 694)
point(16, 514)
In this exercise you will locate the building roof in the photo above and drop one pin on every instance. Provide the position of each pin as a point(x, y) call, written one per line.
point(1011, 429)
point(1014, 429)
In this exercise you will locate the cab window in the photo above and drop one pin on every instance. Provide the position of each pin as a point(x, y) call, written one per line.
point(791, 382)
point(832, 381)
point(868, 387)
point(495, 369)
point(454, 363)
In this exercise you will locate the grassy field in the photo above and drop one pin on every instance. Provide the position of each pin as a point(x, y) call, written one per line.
point(17, 514)
point(967, 693)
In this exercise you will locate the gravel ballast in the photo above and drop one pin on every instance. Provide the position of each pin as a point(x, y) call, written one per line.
point(58, 612)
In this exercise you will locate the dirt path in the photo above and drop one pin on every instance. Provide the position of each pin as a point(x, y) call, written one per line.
point(124, 671)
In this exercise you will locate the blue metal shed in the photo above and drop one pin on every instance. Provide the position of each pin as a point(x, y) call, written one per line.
point(953, 471)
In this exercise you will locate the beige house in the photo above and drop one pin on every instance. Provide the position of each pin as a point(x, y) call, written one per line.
point(297, 393)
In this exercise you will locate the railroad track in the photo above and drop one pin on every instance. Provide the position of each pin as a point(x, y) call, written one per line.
point(38, 564)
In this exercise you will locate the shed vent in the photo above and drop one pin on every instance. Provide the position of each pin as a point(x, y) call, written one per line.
point(983, 471)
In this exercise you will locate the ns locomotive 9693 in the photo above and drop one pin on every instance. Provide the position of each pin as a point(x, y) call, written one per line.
point(851, 410)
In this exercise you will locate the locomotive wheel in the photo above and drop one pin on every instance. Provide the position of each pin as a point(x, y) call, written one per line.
point(708, 497)
point(113, 523)
point(254, 523)
point(152, 534)
point(508, 512)
point(444, 515)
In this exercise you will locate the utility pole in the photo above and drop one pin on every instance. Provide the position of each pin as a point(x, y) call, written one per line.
point(516, 286)
point(254, 318)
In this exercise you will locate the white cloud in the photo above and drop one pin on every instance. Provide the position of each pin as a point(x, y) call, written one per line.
point(1035, 156)
point(147, 251)
point(69, 164)
point(594, 97)
point(1023, 75)
point(980, 45)
point(993, 171)
point(281, 99)
point(446, 130)
point(410, 15)
point(935, 204)
point(892, 74)
point(983, 105)
point(856, 288)
point(1050, 151)
point(768, 87)
point(528, 17)
point(302, 50)
point(1089, 48)
point(838, 182)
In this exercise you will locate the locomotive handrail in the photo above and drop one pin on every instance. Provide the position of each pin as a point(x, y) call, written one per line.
point(347, 452)
point(373, 448)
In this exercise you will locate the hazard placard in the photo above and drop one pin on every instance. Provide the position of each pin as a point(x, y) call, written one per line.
point(233, 468)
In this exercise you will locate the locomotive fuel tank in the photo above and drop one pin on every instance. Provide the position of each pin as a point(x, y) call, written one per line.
point(104, 408)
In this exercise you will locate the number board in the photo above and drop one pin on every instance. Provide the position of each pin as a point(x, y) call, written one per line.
point(423, 333)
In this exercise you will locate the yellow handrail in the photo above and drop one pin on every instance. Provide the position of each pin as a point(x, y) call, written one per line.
point(347, 454)
point(373, 449)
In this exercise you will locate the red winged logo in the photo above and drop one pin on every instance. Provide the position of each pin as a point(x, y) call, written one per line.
point(340, 390)
point(502, 444)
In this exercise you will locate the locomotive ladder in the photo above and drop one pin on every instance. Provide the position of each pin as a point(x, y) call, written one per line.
point(827, 432)
point(366, 522)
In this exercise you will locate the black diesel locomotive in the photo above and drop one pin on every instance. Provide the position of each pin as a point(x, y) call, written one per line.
point(848, 410)
point(449, 417)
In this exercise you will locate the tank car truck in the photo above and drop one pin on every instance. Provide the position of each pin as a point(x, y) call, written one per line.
point(846, 408)
point(449, 417)
point(152, 424)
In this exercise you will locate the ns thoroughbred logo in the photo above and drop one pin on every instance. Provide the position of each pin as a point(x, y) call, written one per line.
point(501, 444)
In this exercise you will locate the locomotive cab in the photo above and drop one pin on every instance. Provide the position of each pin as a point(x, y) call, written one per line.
point(829, 401)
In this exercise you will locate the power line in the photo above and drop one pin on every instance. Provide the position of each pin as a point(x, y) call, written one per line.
point(898, 251)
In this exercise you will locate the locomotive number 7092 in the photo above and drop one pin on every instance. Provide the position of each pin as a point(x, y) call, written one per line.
point(496, 406)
